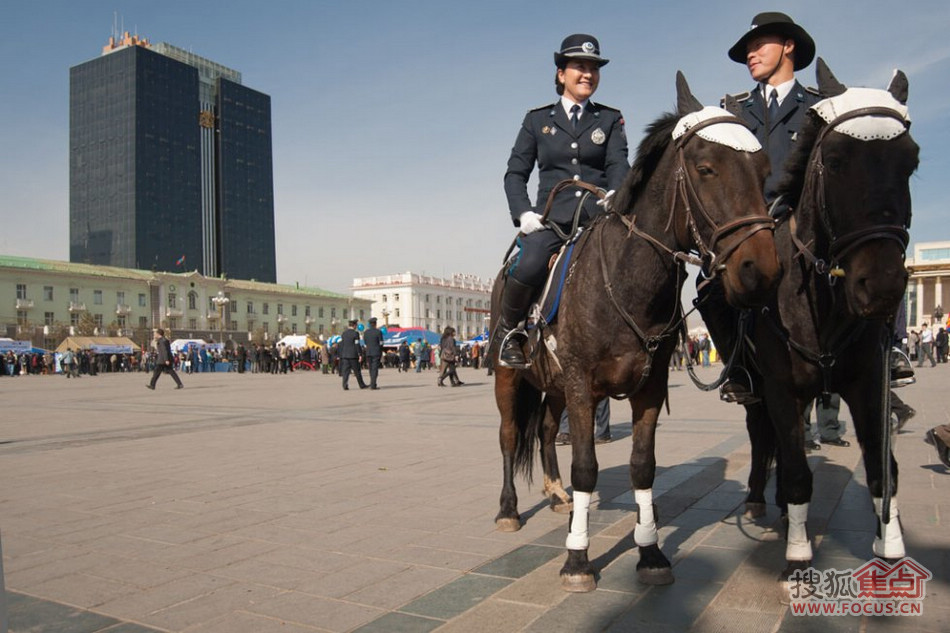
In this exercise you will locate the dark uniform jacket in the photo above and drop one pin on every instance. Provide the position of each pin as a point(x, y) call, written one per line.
point(350, 344)
point(164, 351)
point(596, 153)
point(373, 340)
point(778, 138)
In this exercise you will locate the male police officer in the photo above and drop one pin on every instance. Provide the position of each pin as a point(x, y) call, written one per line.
point(373, 343)
point(772, 49)
point(350, 356)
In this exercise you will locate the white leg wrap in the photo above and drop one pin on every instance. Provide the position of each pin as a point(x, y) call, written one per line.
point(891, 542)
point(577, 538)
point(645, 532)
point(798, 546)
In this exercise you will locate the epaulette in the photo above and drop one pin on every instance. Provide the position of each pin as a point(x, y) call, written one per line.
point(739, 96)
point(606, 107)
point(544, 107)
point(814, 91)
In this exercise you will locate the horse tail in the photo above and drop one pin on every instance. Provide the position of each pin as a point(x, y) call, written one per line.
point(529, 413)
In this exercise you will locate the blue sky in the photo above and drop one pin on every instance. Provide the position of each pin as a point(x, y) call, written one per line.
point(393, 121)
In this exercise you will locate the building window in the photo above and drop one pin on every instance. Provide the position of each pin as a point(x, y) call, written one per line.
point(396, 297)
point(332, 313)
point(265, 325)
point(346, 313)
point(172, 300)
point(320, 312)
point(384, 298)
point(21, 317)
point(306, 311)
point(192, 323)
point(280, 308)
point(74, 319)
point(142, 303)
point(120, 297)
point(173, 323)
point(21, 291)
point(49, 318)
point(397, 312)
point(293, 311)
point(320, 329)
point(438, 315)
point(233, 326)
point(143, 323)
point(98, 319)
point(266, 308)
point(47, 293)
point(74, 295)
point(293, 328)
point(362, 314)
point(120, 321)
point(427, 298)
point(192, 301)
point(97, 297)
point(250, 307)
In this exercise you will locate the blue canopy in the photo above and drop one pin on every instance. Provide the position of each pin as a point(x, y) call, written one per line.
point(395, 336)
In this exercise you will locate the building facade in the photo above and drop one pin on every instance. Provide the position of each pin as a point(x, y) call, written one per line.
point(44, 301)
point(411, 300)
point(170, 164)
point(927, 295)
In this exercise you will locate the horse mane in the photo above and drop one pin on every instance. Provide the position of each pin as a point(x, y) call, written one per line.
point(796, 165)
point(649, 152)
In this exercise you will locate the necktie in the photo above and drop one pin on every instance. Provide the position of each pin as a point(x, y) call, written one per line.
point(575, 109)
point(773, 105)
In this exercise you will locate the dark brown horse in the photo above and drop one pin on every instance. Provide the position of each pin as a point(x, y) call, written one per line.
point(695, 186)
point(829, 326)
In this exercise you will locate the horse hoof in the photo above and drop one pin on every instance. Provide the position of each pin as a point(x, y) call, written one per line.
point(507, 525)
point(655, 576)
point(561, 507)
point(754, 510)
point(578, 583)
point(791, 567)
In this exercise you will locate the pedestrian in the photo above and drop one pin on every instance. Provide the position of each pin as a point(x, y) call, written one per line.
point(373, 344)
point(939, 438)
point(164, 360)
point(601, 425)
point(940, 344)
point(772, 50)
point(828, 428)
point(350, 356)
point(926, 346)
point(404, 356)
point(448, 353)
point(572, 138)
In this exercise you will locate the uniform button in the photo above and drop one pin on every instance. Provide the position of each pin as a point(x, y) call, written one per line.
point(573, 161)
point(577, 177)
point(574, 145)
point(577, 194)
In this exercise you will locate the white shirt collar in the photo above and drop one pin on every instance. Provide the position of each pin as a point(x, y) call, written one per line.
point(567, 104)
point(783, 89)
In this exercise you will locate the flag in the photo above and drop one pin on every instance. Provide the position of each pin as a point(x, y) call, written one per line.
point(181, 261)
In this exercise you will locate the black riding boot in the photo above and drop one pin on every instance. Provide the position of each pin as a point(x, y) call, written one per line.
point(721, 320)
point(515, 301)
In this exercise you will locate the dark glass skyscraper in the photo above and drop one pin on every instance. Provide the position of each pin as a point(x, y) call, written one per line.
point(170, 164)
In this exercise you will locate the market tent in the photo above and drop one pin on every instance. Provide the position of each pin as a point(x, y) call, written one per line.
point(99, 344)
point(17, 347)
point(187, 343)
point(395, 336)
point(296, 341)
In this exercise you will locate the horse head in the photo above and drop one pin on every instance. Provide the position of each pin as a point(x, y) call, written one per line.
point(850, 181)
point(721, 175)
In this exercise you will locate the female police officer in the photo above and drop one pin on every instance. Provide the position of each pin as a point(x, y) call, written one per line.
point(573, 138)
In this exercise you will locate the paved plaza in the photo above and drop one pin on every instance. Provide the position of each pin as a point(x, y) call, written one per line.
point(256, 503)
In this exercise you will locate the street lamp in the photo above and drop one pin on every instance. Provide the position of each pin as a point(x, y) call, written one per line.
point(386, 314)
point(220, 301)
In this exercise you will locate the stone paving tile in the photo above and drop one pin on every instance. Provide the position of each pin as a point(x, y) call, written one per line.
point(457, 597)
point(540, 587)
point(298, 608)
point(212, 605)
point(671, 607)
point(583, 613)
point(519, 562)
point(243, 622)
point(400, 623)
point(395, 591)
point(714, 564)
point(348, 580)
point(497, 616)
point(735, 621)
point(34, 615)
point(138, 605)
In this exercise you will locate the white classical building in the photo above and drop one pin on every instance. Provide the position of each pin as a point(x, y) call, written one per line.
point(411, 300)
point(926, 292)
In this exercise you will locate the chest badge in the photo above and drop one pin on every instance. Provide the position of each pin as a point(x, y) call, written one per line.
point(548, 129)
point(598, 136)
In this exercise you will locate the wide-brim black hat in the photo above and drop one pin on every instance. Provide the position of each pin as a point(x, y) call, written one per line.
point(775, 23)
point(579, 46)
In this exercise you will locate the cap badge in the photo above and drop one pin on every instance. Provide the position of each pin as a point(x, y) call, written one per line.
point(588, 47)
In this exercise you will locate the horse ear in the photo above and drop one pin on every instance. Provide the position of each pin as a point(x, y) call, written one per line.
point(685, 101)
point(899, 86)
point(731, 105)
point(828, 85)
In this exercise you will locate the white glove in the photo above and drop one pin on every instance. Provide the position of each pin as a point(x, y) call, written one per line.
point(607, 201)
point(530, 222)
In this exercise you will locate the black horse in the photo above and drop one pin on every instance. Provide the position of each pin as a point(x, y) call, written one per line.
point(695, 186)
point(829, 327)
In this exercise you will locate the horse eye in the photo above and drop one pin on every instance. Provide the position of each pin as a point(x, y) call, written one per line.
point(705, 170)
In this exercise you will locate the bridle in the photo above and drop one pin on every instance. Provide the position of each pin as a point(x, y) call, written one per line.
point(728, 237)
point(841, 245)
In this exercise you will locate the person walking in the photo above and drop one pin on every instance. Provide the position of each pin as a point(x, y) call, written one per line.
point(163, 362)
point(448, 353)
point(350, 356)
point(572, 138)
point(373, 344)
point(926, 346)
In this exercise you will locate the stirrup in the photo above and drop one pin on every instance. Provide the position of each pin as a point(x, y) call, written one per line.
point(735, 392)
point(902, 371)
point(518, 333)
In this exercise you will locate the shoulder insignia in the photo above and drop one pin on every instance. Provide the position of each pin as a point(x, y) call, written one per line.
point(544, 107)
point(814, 91)
point(606, 107)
